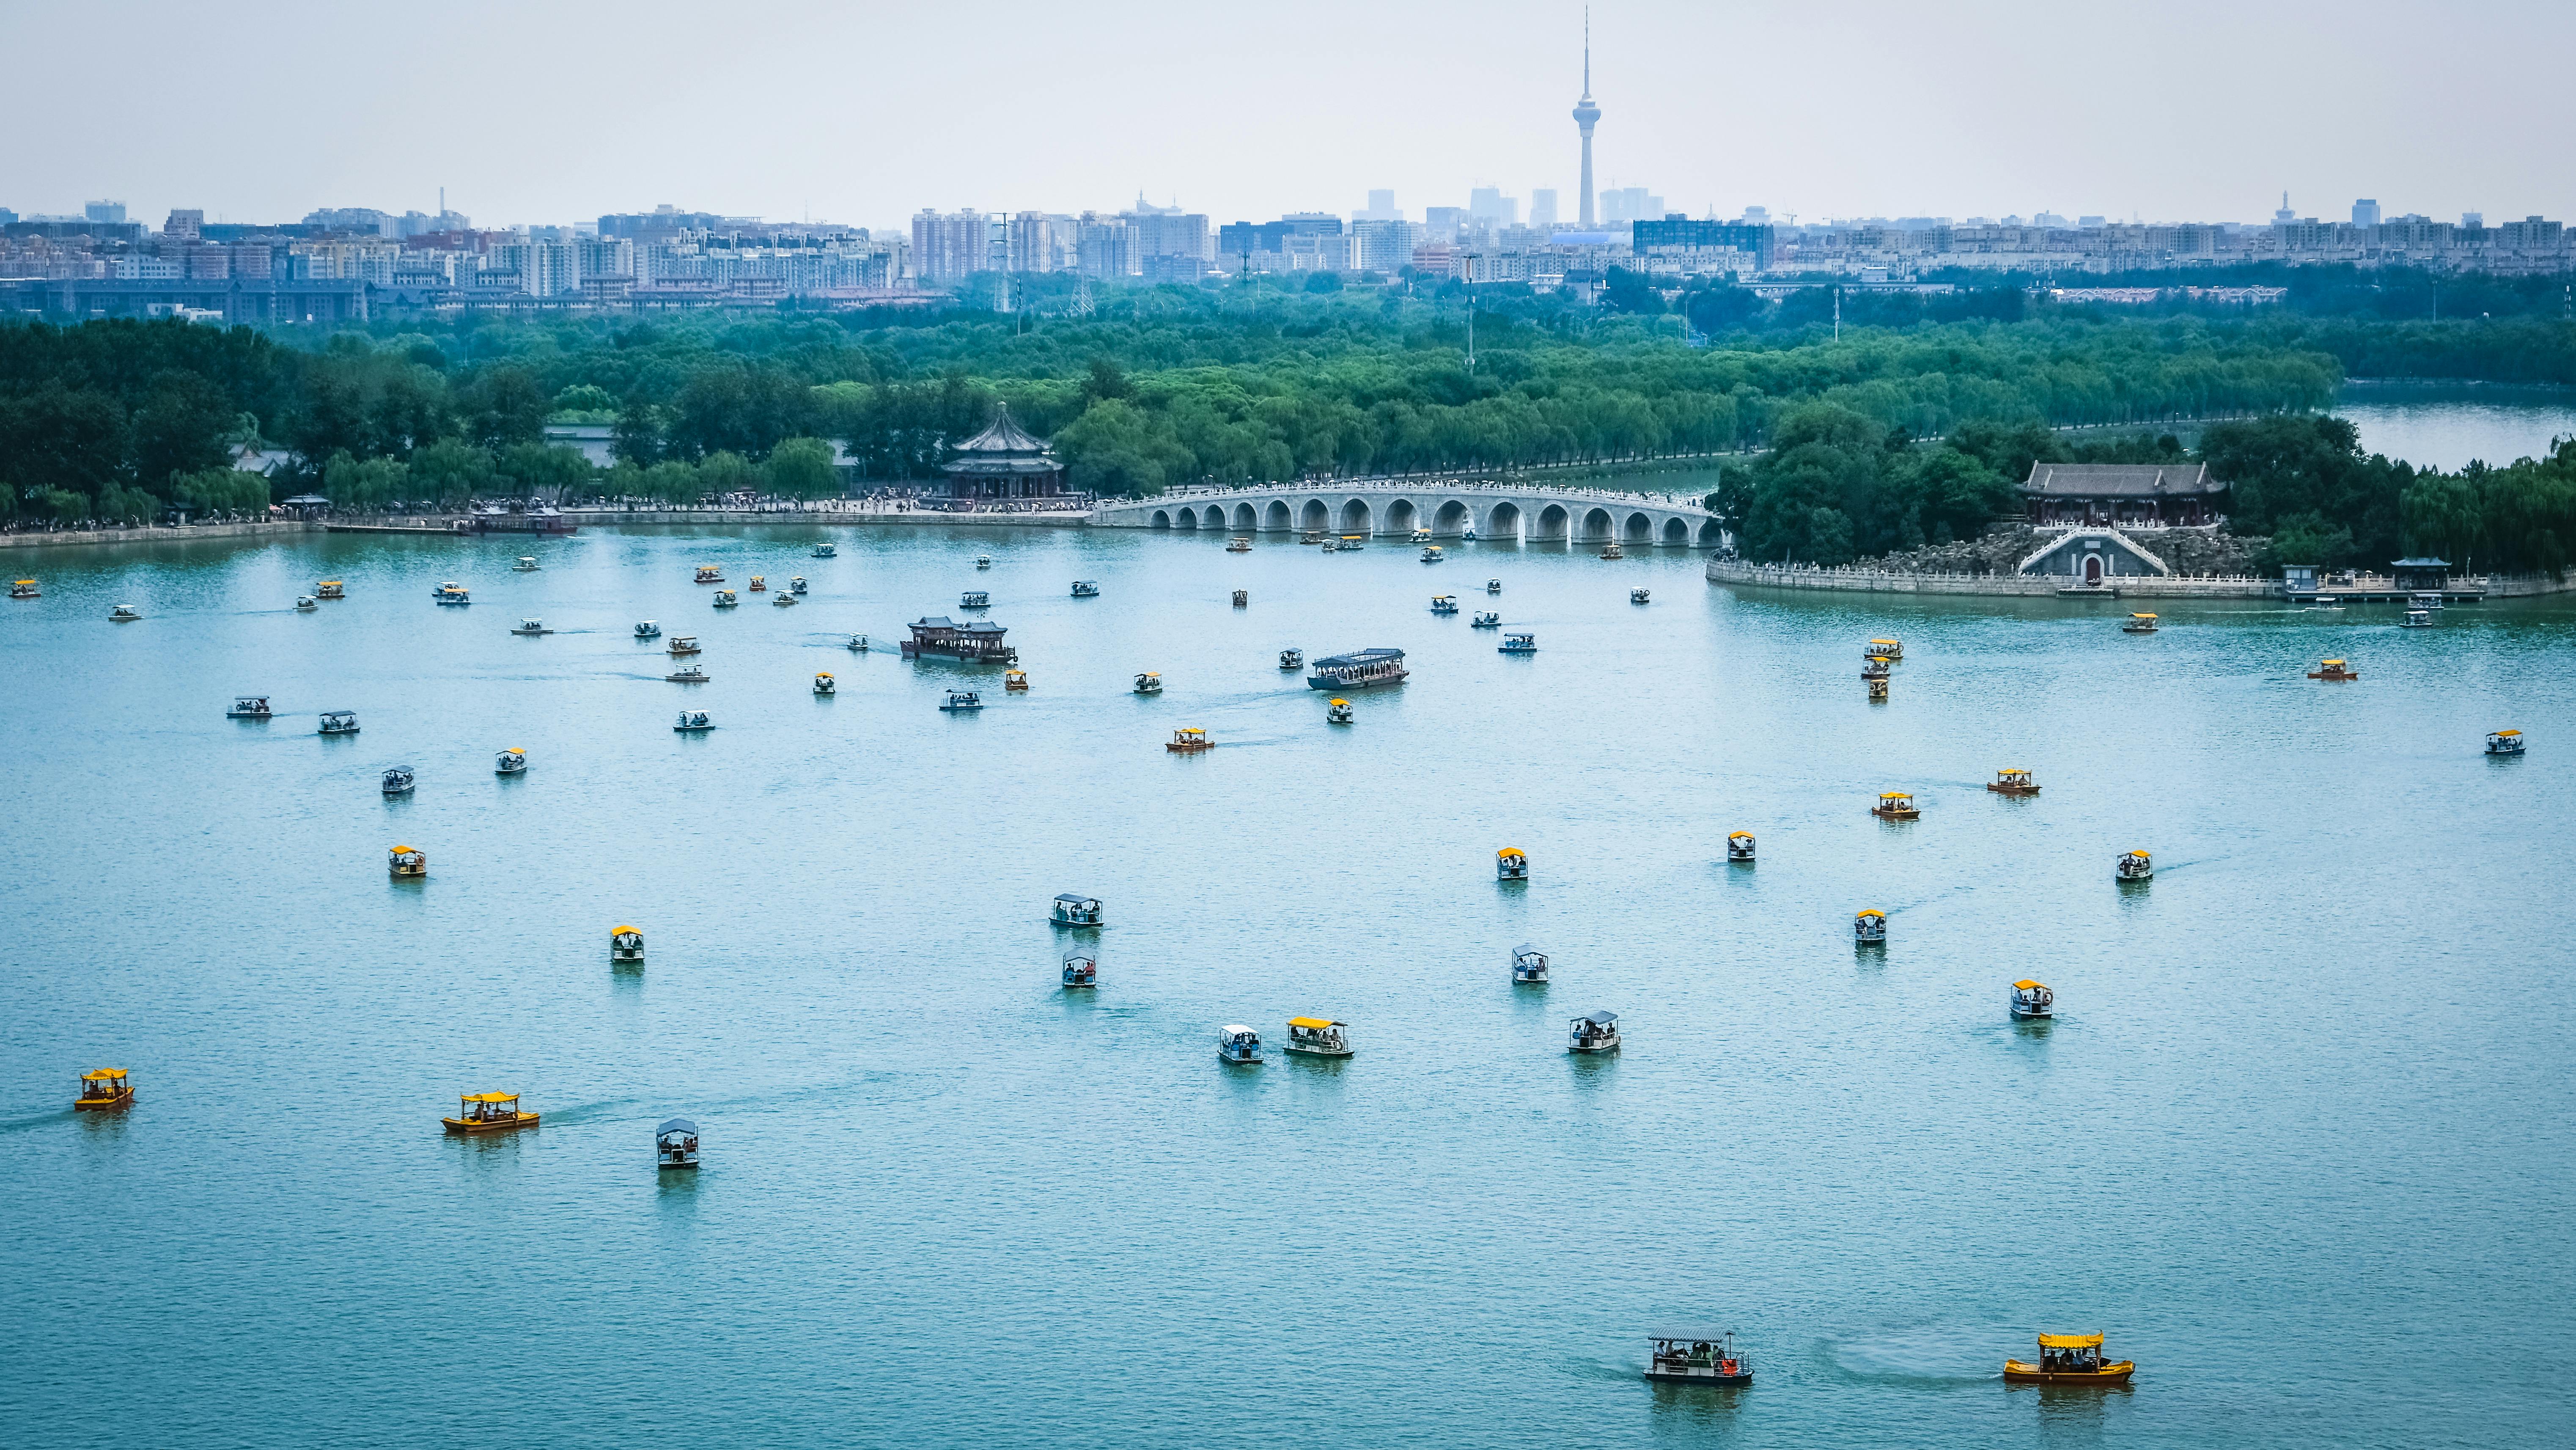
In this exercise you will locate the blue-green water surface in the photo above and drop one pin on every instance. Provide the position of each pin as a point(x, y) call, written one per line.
point(2298, 1141)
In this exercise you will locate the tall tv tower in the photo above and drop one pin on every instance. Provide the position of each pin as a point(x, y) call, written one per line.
point(1585, 113)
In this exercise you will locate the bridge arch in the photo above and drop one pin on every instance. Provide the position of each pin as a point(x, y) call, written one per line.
point(1596, 525)
point(1402, 517)
point(1502, 521)
point(1450, 518)
point(1640, 529)
point(1676, 532)
point(1245, 521)
point(1162, 519)
point(1553, 523)
point(1712, 535)
point(1275, 518)
point(1356, 517)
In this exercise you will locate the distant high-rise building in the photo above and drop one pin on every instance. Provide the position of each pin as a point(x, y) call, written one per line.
point(949, 247)
point(1381, 208)
point(2471, 221)
point(1033, 243)
point(1488, 204)
point(1630, 204)
point(1441, 223)
point(185, 224)
point(1542, 207)
point(1384, 246)
point(2365, 212)
point(104, 211)
point(1585, 113)
point(1106, 247)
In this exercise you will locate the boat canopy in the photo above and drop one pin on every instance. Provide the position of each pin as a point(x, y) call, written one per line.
point(491, 1097)
point(1510, 853)
point(1599, 1019)
point(1314, 1024)
point(2507, 734)
point(1882, 641)
point(2025, 984)
point(2141, 855)
point(1872, 911)
point(1076, 900)
point(1894, 795)
point(623, 931)
point(2070, 1341)
point(103, 1074)
point(402, 850)
point(1237, 1029)
point(1739, 835)
point(676, 1125)
point(1374, 655)
point(2333, 662)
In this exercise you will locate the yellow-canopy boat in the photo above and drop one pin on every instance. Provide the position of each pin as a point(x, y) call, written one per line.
point(489, 1113)
point(2069, 1359)
point(104, 1087)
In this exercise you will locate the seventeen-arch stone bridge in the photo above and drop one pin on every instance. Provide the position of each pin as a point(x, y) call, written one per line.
point(1388, 506)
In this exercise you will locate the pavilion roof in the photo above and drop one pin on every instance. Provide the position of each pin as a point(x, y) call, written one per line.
point(2121, 480)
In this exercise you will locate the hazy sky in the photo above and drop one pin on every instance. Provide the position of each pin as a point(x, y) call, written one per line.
point(558, 110)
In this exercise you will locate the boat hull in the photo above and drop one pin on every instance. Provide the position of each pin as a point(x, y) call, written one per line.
point(101, 1105)
point(1320, 682)
point(2012, 789)
point(1701, 1377)
point(2019, 1372)
point(466, 1127)
point(1296, 1051)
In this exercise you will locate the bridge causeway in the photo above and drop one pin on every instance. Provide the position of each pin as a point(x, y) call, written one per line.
point(1495, 511)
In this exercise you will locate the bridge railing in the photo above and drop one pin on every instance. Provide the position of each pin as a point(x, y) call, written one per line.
point(1190, 492)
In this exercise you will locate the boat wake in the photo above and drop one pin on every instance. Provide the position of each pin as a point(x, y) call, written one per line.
point(20, 1125)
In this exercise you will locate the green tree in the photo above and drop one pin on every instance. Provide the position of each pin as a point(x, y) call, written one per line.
point(450, 471)
point(537, 470)
point(361, 484)
point(801, 468)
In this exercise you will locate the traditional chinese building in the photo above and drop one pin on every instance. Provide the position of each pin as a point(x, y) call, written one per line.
point(1003, 461)
point(2122, 495)
point(940, 635)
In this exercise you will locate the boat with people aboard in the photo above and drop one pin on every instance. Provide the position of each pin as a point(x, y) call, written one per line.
point(248, 707)
point(1292, 659)
point(527, 564)
point(1886, 649)
point(2032, 999)
point(1420, 536)
point(1486, 619)
point(1238, 1044)
point(1242, 597)
point(1086, 589)
point(2013, 780)
point(1493, 586)
point(1444, 603)
point(1612, 550)
point(102, 1088)
point(2427, 599)
point(796, 585)
point(684, 644)
point(1189, 742)
point(451, 593)
point(489, 1113)
point(1311, 536)
point(1015, 679)
point(1149, 683)
point(25, 589)
point(2069, 1359)
point(709, 574)
point(625, 944)
point(1070, 910)
point(1739, 845)
point(1432, 555)
point(543, 520)
point(647, 629)
point(512, 761)
point(407, 863)
point(692, 722)
point(399, 780)
point(1640, 596)
point(2139, 624)
point(688, 675)
point(1697, 1359)
point(1352, 541)
point(1337, 712)
point(1593, 1032)
point(975, 599)
point(1874, 668)
point(1081, 969)
point(824, 684)
point(532, 626)
point(675, 1144)
point(858, 644)
point(975, 641)
point(2417, 619)
point(2134, 866)
point(1317, 1037)
point(1523, 643)
point(1878, 690)
point(759, 583)
point(1331, 546)
point(1869, 927)
point(331, 589)
point(1359, 670)
point(339, 722)
point(962, 700)
point(1895, 805)
point(2334, 670)
point(1511, 864)
point(725, 599)
point(307, 602)
point(1238, 545)
point(827, 551)
point(2504, 742)
point(983, 561)
point(782, 599)
point(1529, 964)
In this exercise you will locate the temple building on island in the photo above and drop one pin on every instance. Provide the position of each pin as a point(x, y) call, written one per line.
point(2122, 495)
point(1003, 462)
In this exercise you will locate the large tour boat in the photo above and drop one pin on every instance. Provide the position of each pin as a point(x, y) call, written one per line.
point(1359, 670)
point(976, 641)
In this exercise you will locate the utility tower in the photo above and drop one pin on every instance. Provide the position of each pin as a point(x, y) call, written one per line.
point(1585, 113)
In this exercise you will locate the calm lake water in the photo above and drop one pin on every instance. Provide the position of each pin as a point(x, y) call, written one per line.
point(2299, 1140)
point(2434, 426)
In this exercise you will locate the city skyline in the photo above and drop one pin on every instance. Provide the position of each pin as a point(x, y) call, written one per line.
point(1884, 122)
